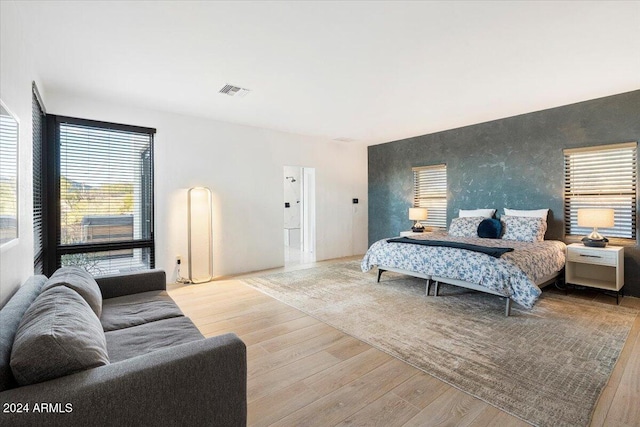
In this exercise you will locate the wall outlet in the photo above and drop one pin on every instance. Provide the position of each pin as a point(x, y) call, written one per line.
point(178, 259)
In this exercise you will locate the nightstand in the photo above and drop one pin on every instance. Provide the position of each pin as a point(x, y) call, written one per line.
point(411, 233)
point(601, 268)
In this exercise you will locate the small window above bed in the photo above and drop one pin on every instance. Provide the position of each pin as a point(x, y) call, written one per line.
point(430, 191)
point(604, 176)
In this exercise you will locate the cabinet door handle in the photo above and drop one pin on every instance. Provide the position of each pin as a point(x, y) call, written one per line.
point(591, 256)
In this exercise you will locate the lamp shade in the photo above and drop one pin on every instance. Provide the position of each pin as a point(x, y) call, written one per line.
point(418, 214)
point(596, 217)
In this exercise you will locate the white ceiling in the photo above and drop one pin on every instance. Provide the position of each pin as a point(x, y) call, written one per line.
point(369, 71)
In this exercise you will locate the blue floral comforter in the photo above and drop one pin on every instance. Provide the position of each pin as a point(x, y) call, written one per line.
point(514, 274)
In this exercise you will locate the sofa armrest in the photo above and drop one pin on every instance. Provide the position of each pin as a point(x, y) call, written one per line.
point(132, 283)
point(203, 382)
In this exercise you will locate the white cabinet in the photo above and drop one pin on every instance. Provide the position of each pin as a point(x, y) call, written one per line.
point(601, 268)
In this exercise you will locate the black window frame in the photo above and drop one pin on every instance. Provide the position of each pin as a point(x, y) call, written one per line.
point(39, 127)
point(55, 250)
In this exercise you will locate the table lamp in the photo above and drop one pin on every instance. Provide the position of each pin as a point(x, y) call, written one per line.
point(417, 215)
point(595, 218)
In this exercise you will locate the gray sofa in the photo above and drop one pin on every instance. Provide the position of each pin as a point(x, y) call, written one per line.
point(160, 370)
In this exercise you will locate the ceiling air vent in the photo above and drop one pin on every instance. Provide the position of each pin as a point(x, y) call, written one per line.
point(234, 91)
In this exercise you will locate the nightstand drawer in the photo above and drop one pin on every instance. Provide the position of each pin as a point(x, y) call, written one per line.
point(592, 256)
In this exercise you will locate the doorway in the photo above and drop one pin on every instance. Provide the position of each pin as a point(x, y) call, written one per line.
point(299, 215)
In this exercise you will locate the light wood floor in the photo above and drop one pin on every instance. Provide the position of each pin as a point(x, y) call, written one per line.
point(302, 372)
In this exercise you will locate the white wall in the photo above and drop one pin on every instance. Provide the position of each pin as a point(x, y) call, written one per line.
point(243, 167)
point(16, 74)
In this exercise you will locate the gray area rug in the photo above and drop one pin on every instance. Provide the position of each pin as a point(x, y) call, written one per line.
point(546, 366)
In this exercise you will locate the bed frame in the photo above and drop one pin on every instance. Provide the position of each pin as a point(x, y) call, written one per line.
point(436, 280)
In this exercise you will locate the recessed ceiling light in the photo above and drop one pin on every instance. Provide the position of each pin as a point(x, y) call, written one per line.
point(232, 90)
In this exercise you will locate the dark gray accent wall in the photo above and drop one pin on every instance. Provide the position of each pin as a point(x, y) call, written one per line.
point(516, 162)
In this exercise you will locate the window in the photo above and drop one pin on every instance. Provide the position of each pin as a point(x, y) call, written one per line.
point(37, 112)
point(104, 196)
point(430, 191)
point(9, 131)
point(602, 177)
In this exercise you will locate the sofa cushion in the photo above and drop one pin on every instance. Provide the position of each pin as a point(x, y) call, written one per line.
point(126, 343)
point(80, 281)
point(134, 282)
point(10, 317)
point(137, 309)
point(58, 335)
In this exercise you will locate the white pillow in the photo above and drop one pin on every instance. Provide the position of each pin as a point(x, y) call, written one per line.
point(485, 213)
point(533, 213)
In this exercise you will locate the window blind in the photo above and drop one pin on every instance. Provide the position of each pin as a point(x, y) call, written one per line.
point(105, 178)
point(37, 113)
point(8, 176)
point(430, 191)
point(602, 177)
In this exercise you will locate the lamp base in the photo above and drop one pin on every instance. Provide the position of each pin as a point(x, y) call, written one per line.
point(417, 230)
point(595, 243)
point(417, 227)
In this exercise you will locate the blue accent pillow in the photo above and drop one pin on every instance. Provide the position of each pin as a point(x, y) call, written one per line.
point(490, 228)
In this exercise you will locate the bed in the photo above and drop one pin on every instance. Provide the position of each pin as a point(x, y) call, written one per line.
point(515, 276)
